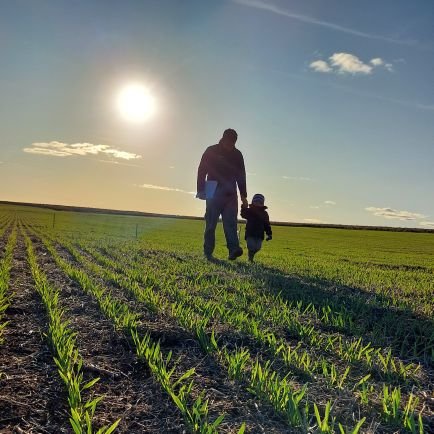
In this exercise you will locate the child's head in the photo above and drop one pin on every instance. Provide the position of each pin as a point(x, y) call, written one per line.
point(258, 200)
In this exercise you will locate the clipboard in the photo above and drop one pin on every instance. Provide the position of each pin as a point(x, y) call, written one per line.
point(210, 188)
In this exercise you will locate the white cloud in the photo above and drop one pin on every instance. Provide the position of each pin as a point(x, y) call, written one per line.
point(163, 188)
point(314, 221)
point(427, 224)
point(320, 66)
point(346, 63)
point(315, 207)
point(390, 213)
point(329, 202)
point(349, 63)
point(59, 149)
point(377, 61)
point(121, 154)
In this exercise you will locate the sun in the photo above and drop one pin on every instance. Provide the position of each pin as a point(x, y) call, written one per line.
point(135, 103)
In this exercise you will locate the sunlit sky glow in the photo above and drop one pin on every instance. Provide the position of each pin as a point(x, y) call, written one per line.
point(135, 103)
point(111, 104)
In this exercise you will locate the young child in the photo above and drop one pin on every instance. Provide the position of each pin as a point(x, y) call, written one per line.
point(258, 222)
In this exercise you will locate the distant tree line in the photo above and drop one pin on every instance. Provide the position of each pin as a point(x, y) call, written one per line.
point(149, 214)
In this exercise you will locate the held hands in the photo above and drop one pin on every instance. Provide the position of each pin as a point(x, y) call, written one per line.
point(201, 195)
point(244, 202)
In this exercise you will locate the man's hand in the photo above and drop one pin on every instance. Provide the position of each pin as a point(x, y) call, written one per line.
point(269, 237)
point(201, 195)
point(244, 202)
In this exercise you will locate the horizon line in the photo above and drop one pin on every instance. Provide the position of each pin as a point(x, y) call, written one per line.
point(75, 208)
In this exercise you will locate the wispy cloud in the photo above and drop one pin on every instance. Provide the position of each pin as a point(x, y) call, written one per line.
point(427, 224)
point(60, 149)
point(270, 7)
point(364, 94)
point(326, 202)
point(118, 163)
point(163, 188)
point(314, 221)
point(297, 178)
point(417, 105)
point(390, 213)
point(347, 63)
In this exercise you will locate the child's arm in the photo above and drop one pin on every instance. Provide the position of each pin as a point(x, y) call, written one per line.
point(267, 227)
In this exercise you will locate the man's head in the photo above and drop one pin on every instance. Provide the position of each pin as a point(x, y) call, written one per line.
point(229, 139)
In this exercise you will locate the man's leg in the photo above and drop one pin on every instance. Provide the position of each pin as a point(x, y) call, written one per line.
point(229, 217)
point(212, 215)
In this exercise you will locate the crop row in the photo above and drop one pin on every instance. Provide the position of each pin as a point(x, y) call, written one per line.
point(184, 312)
point(258, 316)
point(352, 264)
point(346, 311)
point(66, 355)
point(4, 225)
point(194, 411)
point(5, 267)
point(196, 324)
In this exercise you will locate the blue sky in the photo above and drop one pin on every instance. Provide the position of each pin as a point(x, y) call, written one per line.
point(333, 102)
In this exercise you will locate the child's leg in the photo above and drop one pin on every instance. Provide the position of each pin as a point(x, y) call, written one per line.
point(253, 246)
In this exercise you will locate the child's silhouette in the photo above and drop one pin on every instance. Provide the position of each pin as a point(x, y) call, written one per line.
point(258, 222)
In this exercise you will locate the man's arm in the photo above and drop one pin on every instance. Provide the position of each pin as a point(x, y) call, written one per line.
point(244, 212)
point(241, 180)
point(202, 171)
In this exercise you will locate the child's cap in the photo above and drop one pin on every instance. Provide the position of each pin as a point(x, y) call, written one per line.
point(258, 199)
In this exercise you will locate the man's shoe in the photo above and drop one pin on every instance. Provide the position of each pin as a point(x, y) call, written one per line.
point(235, 254)
point(210, 257)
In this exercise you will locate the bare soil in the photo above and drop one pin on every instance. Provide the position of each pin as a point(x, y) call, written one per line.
point(31, 398)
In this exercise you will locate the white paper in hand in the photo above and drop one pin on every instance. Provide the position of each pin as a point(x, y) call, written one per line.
point(210, 187)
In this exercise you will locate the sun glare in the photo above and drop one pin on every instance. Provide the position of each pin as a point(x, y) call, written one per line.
point(135, 103)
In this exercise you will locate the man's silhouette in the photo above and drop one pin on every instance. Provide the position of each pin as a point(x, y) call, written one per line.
point(224, 164)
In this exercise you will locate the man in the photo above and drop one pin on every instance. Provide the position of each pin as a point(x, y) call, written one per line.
point(225, 164)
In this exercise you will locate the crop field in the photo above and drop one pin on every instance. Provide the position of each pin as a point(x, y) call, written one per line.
point(112, 323)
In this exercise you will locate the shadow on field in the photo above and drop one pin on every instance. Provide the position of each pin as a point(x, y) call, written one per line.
point(367, 314)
